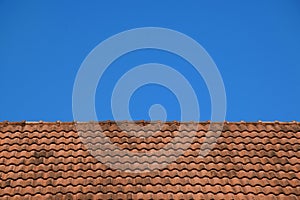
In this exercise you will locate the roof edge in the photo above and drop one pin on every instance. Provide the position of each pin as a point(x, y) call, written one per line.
point(144, 121)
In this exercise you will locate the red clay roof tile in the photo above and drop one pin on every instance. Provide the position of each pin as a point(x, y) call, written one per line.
point(50, 161)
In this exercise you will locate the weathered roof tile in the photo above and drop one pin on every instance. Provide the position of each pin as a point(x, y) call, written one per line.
point(42, 160)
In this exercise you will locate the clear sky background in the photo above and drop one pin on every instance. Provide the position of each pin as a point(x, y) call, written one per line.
point(255, 44)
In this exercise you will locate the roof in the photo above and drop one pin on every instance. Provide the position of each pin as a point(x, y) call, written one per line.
point(48, 160)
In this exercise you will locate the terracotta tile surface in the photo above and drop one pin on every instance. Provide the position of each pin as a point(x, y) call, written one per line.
point(49, 161)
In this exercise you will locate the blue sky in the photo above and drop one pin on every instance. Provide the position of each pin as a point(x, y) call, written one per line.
point(255, 44)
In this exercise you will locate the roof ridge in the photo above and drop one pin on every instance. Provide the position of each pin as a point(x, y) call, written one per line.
point(144, 121)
